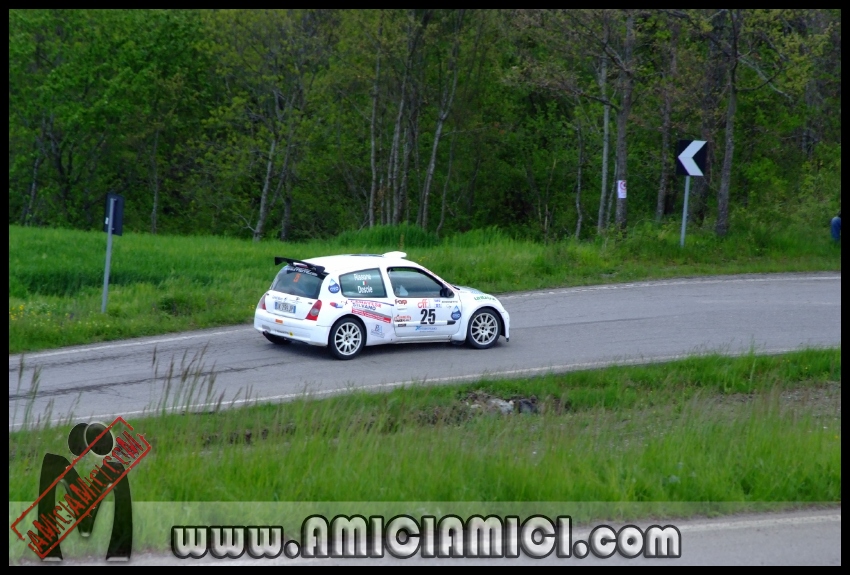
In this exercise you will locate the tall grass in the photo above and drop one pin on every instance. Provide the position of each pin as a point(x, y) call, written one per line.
point(729, 429)
point(162, 284)
point(701, 435)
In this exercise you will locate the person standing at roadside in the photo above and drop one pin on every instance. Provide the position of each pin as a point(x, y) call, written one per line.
point(835, 227)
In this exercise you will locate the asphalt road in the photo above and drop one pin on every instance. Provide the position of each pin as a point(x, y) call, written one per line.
point(552, 330)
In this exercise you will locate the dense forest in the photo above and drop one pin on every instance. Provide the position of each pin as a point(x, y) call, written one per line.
point(296, 124)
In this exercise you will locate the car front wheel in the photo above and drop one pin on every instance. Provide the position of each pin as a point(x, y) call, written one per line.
point(483, 330)
point(347, 338)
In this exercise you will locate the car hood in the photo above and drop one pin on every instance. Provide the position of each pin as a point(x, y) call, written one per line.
point(466, 289)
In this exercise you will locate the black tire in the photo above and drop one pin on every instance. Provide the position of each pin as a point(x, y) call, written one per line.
point(347, 338)
point(484, 328)
point(276, 339)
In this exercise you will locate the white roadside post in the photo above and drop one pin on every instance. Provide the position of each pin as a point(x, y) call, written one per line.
point(688, 164)
point(109, 220)
point(113, 225)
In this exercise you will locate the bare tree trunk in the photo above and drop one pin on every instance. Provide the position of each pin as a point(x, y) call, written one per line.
point(627, 82)
point(445, 107)
point(417, 164)
point(606, 114)
point(611, 195)
point(666, 112)
point(392, 161)
point(665, 164)
point(429, 174)
point(547, 214)
point(286, 224)
point(154, 183)
point(401, 199)
point(373, 157)
point(27, 214)
point(722, 226)
point(261, 220)
point(714, 81)
point(446, 185)
point(284, 175)
point(578, 179)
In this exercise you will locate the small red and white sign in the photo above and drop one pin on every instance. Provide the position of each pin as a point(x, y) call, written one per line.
point(621, 189)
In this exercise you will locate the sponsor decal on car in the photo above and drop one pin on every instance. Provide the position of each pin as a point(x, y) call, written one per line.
point(333, 287)
point(456, 313)
point(337, 305)
point(365, 279)
point(403, 318)
point(487, 297)
point(401, 301)
point(424, 328)
point(372, 315)
point(378, 331)
point(401, 325)
point(423, 303)
point(299, 270)
point(365, 304)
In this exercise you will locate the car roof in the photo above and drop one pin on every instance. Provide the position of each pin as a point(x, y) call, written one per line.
point(352, 262)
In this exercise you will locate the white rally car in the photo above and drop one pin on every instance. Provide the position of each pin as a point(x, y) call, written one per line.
point(347, 302)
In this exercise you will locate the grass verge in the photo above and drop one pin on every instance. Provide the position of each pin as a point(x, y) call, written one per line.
point(705, 435)
point(759, 428)
point(163, 284)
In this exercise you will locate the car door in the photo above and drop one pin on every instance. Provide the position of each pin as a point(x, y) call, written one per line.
point(368, 299)
point(424, 307)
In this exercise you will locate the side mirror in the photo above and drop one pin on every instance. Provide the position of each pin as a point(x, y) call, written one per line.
point(446, 292)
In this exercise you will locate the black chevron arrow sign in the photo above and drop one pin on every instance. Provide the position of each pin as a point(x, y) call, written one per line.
point(690, 158)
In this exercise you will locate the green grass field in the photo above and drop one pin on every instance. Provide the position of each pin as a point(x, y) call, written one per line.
point(162, 284)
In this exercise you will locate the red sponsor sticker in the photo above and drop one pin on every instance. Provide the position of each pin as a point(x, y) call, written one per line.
point(372, 315)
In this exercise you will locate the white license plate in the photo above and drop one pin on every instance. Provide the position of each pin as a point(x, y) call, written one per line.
point(284, 307)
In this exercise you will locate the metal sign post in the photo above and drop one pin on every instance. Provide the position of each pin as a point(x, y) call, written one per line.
point(689, 162)
point(685, 210)
point(109, 220)
point(112, 225)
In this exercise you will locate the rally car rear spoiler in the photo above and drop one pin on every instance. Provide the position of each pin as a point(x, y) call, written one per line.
point(318, 270)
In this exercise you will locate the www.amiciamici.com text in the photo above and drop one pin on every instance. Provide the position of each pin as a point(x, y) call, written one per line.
point(404, 536)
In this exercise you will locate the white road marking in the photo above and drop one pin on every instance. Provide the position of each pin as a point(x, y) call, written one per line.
point(760, 523)
point(649, 284)
point(413, 382)
point(130, 344)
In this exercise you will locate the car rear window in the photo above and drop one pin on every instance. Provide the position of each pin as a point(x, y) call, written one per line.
point(298, 281)
point(363, 284)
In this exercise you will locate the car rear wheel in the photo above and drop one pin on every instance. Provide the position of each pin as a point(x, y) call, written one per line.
point(276, 339)
point(483, 330)
point(347, 338)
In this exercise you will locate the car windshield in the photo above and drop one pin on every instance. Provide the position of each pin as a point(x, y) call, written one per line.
point(297, 281)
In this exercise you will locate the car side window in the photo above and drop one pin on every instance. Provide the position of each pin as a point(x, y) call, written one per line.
point(413, 282)
point(363, 284)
